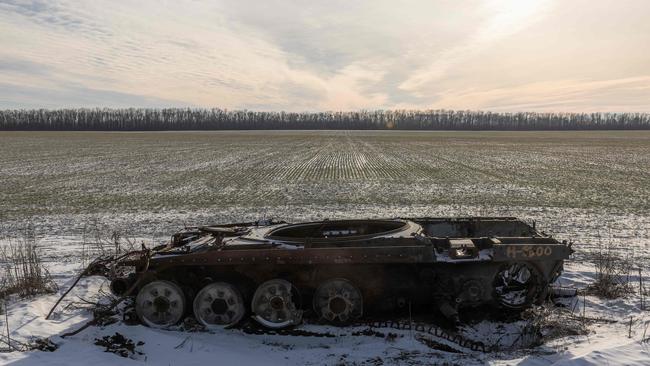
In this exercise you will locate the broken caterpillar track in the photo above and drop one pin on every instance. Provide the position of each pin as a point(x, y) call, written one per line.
point(435, 331)
point(463, 344)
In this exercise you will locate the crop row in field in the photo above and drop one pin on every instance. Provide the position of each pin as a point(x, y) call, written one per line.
point(54, 173)
point(591, 186)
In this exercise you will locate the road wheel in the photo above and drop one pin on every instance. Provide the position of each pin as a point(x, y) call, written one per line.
point(516, 285)
point(338, 301)
point(160, 304)
point(274, 304)
point(219, 305)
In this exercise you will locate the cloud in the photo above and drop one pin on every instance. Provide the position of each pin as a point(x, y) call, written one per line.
point(507, 17)
point(75, 96)
point(54, 13)
point(335, 55)
point(218, 64)
point(572, 95)
point(9, 65)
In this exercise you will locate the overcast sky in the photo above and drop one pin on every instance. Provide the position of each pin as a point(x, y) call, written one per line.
point(500, 55)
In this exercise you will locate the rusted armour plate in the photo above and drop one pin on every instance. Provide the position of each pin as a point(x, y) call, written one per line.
point(402, 254)
point(530, 252)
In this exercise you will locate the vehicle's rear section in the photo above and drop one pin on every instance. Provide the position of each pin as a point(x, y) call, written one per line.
point(476, 227)
point(499, 260)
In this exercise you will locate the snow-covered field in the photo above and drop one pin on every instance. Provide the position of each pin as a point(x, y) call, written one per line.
point(60, 173)
point(589, 187)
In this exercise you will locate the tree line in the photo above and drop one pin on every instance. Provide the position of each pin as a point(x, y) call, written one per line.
point(135, 119)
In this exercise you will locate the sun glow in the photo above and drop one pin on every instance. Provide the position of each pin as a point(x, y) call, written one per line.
point(510, 16)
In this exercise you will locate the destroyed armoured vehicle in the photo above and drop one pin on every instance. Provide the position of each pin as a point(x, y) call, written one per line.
point(340, 270)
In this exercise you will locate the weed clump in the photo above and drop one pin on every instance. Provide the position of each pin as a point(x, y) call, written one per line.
point(547, 322)
point(22, 270)
point(612, 275)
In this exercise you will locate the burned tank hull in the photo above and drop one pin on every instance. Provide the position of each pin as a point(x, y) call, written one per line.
point(339, 271)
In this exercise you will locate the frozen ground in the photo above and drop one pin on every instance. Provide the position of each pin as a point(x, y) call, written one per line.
point(589, 187)
point(612, 342)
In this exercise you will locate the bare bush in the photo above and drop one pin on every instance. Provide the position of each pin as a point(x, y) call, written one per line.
point(102, 240)
point(548, 322)
point(612, 275)
point(3, 283)
point(21, 268)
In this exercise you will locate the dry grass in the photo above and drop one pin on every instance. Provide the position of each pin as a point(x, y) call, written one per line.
point(548, 322)
point(22, 270)
point(103, 240)
point(612, 275)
